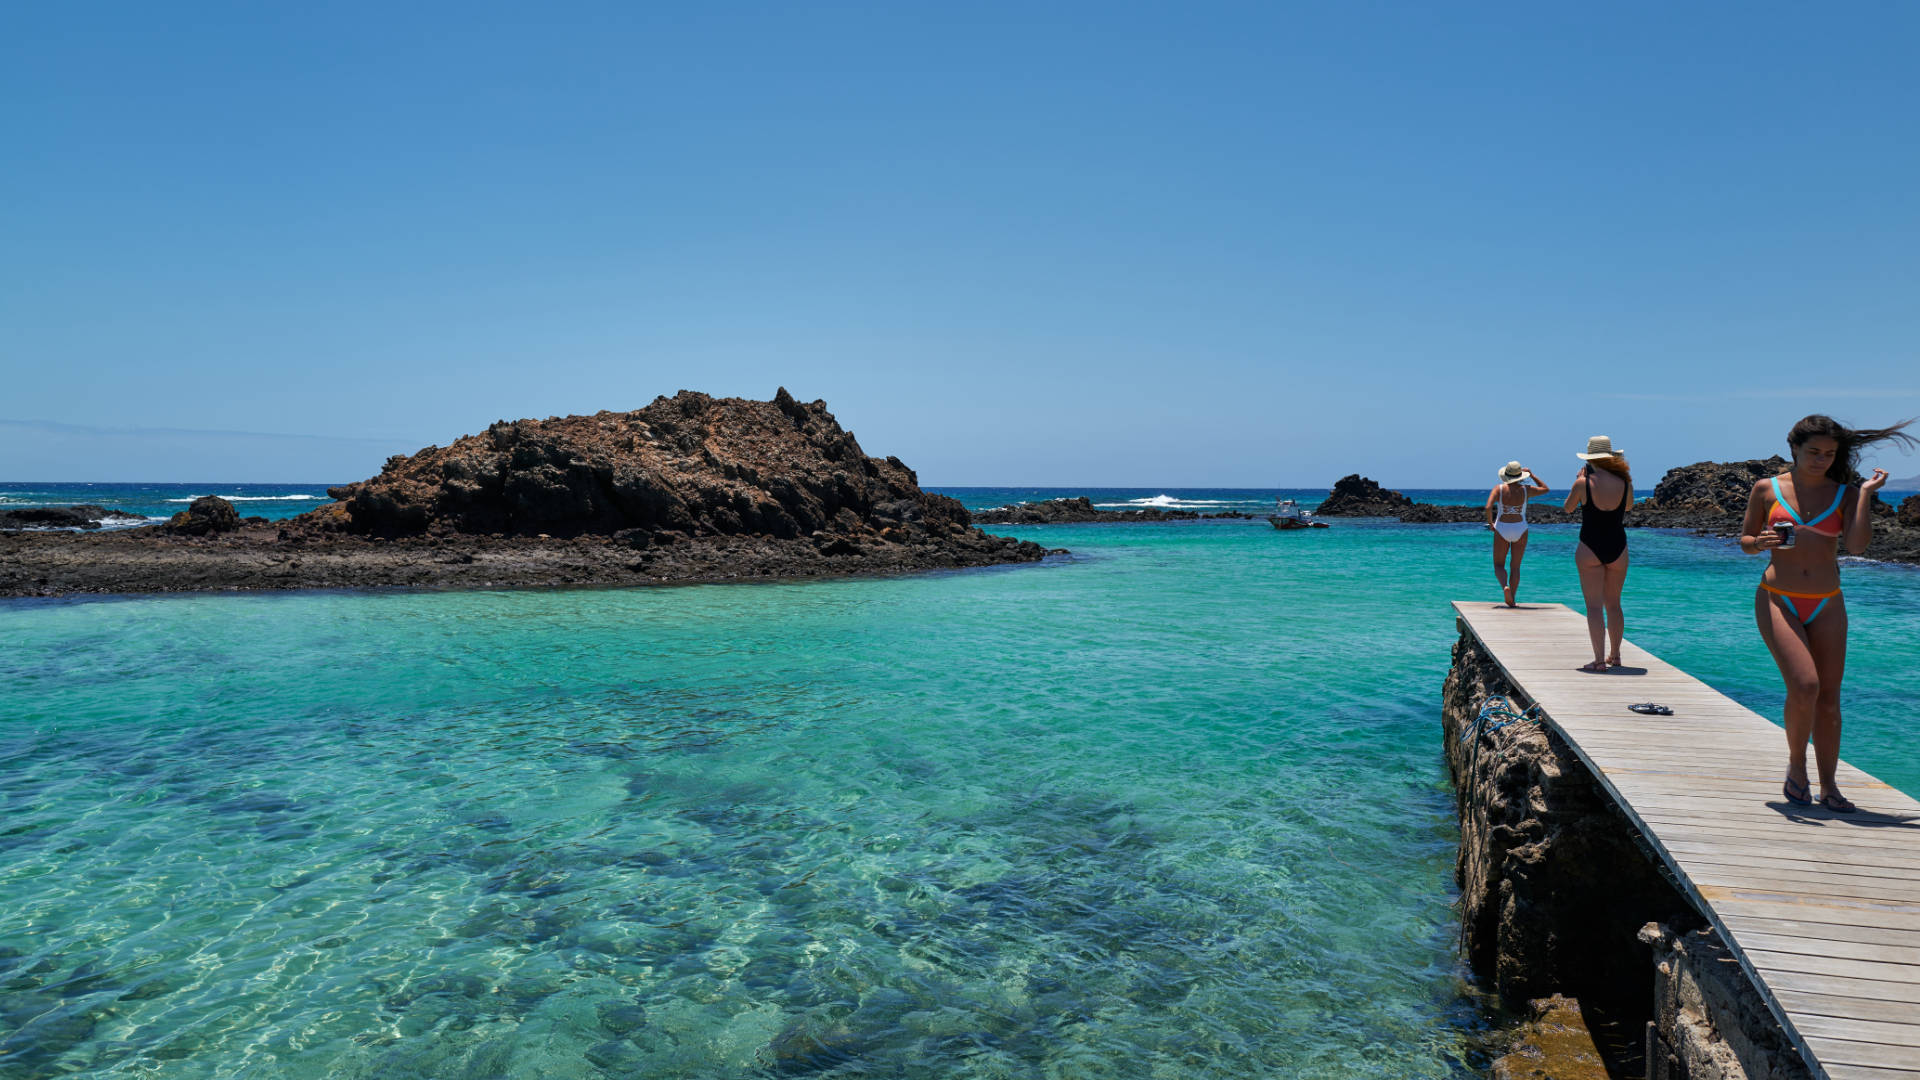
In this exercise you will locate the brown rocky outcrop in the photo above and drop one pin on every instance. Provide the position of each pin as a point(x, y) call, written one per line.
point(690, 464)
point(689, 489)
point(1719, 487)
point(1909, 513)
point(1356, 496)
point(205, 515)
point(1081, 510)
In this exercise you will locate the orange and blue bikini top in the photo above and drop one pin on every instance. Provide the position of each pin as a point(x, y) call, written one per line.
point(1782, 512)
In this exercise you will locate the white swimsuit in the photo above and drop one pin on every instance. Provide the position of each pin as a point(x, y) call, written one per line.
point(1511, 531)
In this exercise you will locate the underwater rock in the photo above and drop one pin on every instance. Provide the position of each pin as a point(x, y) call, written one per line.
point(1554, 1044)
point(621, 1017)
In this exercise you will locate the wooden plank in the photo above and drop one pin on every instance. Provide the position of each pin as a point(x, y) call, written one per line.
point(1800, 907)
point(1822, 909)
point(1880, 951)
point(1817, 933)
point(1802, 832)
point(1863, 1072)
point(1846, 1008)
point(1850, 1052)
point(1841, 967)
point(1847, 860)
point(1888, 890)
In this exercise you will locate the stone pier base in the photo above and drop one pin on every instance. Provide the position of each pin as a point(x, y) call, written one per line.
point(1560, 896)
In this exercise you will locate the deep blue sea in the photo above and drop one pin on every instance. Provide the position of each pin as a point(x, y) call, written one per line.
point(1173, 805)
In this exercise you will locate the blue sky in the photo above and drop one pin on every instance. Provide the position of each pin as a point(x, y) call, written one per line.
point(1207, 244)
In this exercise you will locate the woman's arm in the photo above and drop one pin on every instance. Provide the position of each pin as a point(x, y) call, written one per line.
point(1859, 531)
point(1539, 487)
point(1493, 500)
point(1577, 493)
point(1755, 537)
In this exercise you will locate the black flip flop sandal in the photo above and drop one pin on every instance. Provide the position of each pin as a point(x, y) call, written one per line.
point(1648, 708)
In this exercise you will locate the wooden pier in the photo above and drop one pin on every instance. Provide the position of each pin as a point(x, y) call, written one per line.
point(1821, 909)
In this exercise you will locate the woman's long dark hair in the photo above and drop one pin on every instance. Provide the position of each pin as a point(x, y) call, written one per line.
point(1846, 464)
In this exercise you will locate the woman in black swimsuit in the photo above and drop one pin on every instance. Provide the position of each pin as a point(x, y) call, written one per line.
point(1603, 491)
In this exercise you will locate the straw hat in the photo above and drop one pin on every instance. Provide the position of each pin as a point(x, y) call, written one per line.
point(1513, 473)
point(1598, 446)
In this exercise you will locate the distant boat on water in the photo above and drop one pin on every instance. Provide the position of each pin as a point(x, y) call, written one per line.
point(1288, 516)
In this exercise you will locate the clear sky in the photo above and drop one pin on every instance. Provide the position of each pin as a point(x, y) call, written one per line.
point(1104, 244)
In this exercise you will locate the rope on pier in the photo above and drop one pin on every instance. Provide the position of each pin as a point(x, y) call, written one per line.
point(1496, 714)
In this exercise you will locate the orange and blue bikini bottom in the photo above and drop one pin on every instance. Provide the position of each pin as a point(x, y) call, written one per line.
point(1805, 606)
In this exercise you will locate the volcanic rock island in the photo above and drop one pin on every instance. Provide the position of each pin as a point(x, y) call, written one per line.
point(691, 488)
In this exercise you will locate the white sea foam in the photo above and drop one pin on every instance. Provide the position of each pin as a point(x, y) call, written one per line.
point(1164, 502)
point(252, 498)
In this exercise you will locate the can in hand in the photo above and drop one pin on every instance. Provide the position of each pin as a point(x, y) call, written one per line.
point(1785, 531)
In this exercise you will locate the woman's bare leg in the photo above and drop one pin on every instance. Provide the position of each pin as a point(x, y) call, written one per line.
point(1787, 640)
point(1827, 642)
point(1519, 550)
point(1500, 547)
point(1593, 590)
point(1616, 622)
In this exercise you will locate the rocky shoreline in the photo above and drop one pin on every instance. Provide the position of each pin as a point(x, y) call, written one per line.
point(1708, 497)
point(1081, 510)
point(258, 557)
point(689, 489)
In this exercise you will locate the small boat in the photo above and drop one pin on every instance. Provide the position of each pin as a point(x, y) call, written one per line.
point(1288, 516)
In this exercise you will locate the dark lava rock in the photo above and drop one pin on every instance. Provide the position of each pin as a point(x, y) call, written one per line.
point(1708, 495)
point(689, 464)
point(48, 517)
point(1357, 496)
point(84, 516)
point(1909, 513)
point(205, 515)
point(1081, 509)
point(1542, 511)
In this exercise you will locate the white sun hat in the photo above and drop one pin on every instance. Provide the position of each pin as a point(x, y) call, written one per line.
point(1598, 446)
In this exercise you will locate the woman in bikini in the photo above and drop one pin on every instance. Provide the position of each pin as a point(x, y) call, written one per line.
point(1507, 517)
point(1800, 518)
point(1603, 491)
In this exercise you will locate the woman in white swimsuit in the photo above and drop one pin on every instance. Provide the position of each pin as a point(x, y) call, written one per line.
point(1507, 517)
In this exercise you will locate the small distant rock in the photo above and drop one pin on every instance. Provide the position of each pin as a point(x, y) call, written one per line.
point(84, 516)
point(206, 515)
point(47, 517)
point(1356, 496)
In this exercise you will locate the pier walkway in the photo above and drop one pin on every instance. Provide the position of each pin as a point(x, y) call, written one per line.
point(1821, 909)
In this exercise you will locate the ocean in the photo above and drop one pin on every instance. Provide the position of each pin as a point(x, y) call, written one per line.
point(1173, 805)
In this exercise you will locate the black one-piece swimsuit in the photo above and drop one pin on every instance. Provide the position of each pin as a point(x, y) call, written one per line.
point(1604, 531)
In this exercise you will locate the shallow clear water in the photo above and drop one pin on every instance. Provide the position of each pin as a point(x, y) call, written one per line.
point(1173, 807)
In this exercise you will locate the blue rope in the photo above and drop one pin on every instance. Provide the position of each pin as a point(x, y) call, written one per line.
point(1496, 714)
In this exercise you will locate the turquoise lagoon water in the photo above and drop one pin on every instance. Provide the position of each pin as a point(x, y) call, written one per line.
point(1173, 806)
